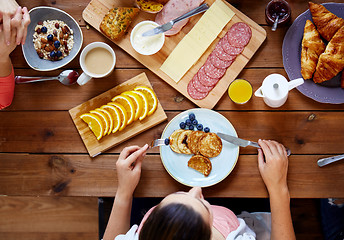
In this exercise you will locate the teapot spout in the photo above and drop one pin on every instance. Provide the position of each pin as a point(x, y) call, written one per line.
point(259, 93)
point(296, 82)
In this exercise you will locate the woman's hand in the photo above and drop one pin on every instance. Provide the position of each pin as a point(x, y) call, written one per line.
point(275, 166)
point(20, 22)
point(129, 168)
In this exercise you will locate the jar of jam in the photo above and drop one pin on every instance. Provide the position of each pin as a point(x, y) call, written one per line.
point(278, 8)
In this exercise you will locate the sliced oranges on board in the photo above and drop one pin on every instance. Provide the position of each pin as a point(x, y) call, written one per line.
point(94, 123)
point(124, 109)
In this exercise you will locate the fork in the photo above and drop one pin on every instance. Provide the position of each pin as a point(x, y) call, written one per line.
point(157, 142)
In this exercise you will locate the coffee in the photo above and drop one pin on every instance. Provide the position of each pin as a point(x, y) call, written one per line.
point(99, 61)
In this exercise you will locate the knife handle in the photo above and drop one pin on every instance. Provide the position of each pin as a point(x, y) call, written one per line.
point(254, 144)
point(324, 161)
point(193, 12)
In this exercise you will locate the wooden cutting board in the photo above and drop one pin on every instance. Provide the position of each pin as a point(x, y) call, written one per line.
point(95, 147)
point(96, 9)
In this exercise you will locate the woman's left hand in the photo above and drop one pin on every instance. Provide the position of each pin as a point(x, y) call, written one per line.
point(129, 168)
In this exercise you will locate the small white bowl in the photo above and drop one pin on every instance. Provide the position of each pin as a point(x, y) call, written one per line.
point(146, 45)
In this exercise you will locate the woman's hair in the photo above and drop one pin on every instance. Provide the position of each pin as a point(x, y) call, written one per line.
point(175, 221)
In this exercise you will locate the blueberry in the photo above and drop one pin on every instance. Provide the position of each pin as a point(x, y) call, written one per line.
point(182, 125)
point(59, 54)
point(194, 122)
point(167, 141)
point(199, 127)
point(188, 122)
point(206, 129)
point(52, 54)
point(44, 29)
point(50, 37)
point(57, 44)
point(191, 127)
point(192, 116)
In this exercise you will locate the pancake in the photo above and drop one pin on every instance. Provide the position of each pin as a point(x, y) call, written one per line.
point(193, 140)
point(174, 140)
point(210, 145)
point(200, 164)
point(182, 142)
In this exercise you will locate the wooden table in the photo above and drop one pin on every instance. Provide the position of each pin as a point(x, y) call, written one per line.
point(42, 154)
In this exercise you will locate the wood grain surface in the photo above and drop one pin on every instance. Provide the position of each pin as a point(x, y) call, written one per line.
point(95, 147)
point(94, 12)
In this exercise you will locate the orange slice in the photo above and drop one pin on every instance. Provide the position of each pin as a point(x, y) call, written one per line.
point(109, 118)
point(94, 123)
point(145, 106)
point(137, 102)
point(116, 116)
point(152, 99)
point(123, 114)
point(104, 120)
point(128, 104)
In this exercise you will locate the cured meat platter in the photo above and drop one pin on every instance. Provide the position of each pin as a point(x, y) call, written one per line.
point(96, 10)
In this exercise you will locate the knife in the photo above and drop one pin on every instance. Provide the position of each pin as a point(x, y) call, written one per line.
point(241, 142)
point(324, 161)
point(167, 26)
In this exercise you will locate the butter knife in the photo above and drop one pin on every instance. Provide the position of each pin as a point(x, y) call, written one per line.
point(241, 142)
point(167, 26)
point(324, 161)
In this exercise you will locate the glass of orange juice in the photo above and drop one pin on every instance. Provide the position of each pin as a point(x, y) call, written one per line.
point(240, 91)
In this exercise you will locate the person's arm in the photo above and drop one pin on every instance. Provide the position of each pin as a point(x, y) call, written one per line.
point(274, 173)
point(128, 173)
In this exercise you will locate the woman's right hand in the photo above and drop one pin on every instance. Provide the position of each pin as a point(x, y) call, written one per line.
point(274, 167)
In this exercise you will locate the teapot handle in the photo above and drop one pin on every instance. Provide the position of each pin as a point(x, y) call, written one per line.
point(258, 93)
point(296, 82)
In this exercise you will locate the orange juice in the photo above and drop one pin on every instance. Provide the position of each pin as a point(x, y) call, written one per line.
point(240, 91)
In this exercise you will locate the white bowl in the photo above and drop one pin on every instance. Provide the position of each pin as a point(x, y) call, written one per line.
point(49, 13)
point(146, 45)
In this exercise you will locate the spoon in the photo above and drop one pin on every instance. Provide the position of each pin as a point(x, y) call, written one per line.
point(274, 27)
point(67, 77)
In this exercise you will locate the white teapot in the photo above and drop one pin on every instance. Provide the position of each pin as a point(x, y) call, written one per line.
point(275, 88)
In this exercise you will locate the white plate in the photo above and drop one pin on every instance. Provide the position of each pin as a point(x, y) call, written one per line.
point(222, 165)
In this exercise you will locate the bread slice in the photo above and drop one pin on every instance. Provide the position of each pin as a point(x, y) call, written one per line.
point(116, 22)
point(201, 164)
point(326, 22)
point(312, 47)
point(182, 142)
point(193, 141)
point(331, 62)
point(210, 145)
point(174, 140)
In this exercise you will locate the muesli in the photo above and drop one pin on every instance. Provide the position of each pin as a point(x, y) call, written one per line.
point(53, 39)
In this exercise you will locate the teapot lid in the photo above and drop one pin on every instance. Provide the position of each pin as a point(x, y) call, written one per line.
point(275, 87)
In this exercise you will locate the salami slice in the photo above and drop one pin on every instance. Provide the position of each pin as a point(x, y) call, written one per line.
point(199, 86)
point(213, 71)
point(238, 35)
point(217, 62)
point(205, 79)
point(194, 93)
point(220, 53)
point(228, 48)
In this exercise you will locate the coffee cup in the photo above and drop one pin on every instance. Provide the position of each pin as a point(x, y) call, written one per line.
point(97, 60)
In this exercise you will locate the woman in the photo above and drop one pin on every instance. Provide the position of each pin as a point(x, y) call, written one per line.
point(13, 28)
point(187, 215)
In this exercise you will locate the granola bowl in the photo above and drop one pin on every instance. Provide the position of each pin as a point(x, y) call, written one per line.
point(53, 39)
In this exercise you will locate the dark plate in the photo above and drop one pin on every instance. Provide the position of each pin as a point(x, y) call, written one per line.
point(327, 92)
point(49, 13)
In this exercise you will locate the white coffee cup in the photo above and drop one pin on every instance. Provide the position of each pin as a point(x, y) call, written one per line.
point(94, 58)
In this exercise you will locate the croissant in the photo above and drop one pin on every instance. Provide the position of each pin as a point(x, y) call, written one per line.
point(312, 47)
point(327, 23)
point(331, 62)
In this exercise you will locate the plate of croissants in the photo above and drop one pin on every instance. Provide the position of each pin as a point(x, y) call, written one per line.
point(313, 48)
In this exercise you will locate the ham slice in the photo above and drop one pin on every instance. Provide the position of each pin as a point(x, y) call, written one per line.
point(174, 9)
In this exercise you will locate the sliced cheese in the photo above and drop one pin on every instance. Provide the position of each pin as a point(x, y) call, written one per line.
point(194, 44)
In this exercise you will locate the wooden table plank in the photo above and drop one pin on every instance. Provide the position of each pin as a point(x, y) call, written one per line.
point(80, 175)
point(54, 131)
point(55, 96)
point(50, 218)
